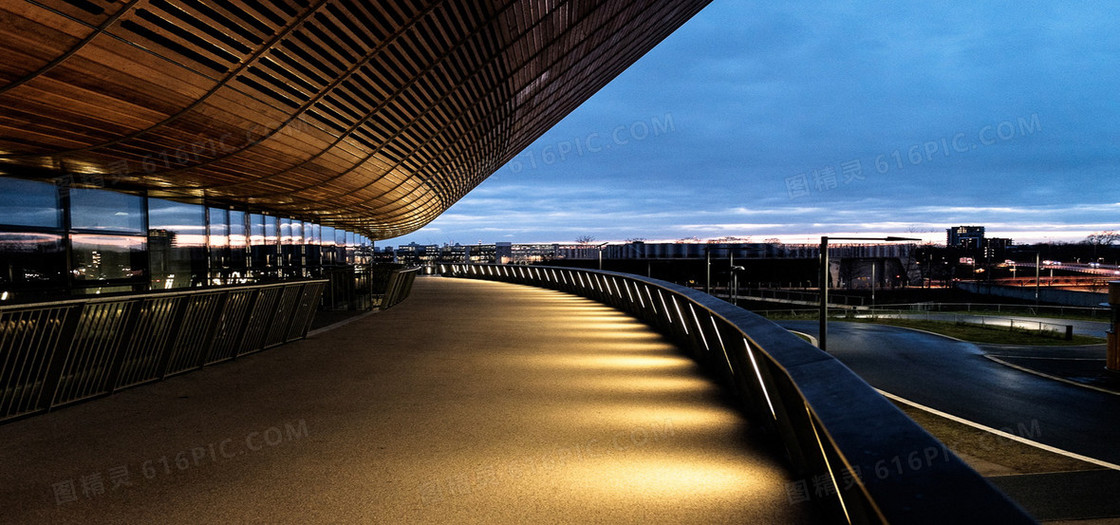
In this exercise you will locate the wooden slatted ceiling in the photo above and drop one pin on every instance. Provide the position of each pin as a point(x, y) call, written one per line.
point(373, 116)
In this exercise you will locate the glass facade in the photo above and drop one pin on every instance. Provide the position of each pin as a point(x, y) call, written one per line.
point(178, 244)
point(58, 241)
point(102, 210)
point(29, 203)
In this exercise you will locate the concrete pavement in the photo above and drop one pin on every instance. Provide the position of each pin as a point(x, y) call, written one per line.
point(471, 402)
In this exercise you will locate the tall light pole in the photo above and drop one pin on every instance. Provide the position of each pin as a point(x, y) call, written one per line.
point(1037, 275)
point(874, 264)
point(601, 255)
point(708, 269)
point(735, 284)
point(824, 278)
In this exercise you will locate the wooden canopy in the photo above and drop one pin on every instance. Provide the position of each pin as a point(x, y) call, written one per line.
point(373, 116)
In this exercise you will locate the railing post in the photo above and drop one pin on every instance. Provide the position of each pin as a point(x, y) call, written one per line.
point(129, 327)
point(212, 332)
point(58, 357)
point(173, 337)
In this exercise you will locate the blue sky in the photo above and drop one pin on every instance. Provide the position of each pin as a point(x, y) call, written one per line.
point(766, 120)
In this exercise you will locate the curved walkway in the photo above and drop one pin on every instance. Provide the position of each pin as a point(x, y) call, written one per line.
point(955, 377)
point(472, 402)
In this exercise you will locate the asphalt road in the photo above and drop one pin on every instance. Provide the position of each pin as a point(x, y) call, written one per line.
point(954, 377)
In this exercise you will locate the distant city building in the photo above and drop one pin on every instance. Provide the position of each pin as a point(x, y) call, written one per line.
point(968, 237)
point(532, 253)
point(995, 248)
point(972, 239)
point(413, 254)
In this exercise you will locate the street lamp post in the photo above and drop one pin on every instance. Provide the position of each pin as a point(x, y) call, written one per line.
point(824, 278)
point(1037, 276)
point(735, 284)
point(708, 269)
point(601, 255)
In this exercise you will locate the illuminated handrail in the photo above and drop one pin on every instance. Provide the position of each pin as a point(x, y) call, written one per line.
point(63, 352)
point(877, 465)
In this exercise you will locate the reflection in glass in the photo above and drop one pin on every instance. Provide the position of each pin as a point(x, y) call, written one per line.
point(292, 249)
point(33, 263)
point(238, 232)
point(271, 230)
point(312, 250)
point(298, 233)
point(238, 246)
point(92, 209)
point(311, 233)
point(256, 229)
point(285, 231)
point(329, 255)
point(107, 257)
point(264, 235)
point(349, 251)
point(217, 224)
point(29, 203)
point(177, 237)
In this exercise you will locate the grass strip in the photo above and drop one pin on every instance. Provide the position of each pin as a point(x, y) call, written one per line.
point(992, 448)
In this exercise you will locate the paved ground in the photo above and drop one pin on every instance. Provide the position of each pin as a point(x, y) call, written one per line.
point(955, 377)
point(1083, 365)
point(472, 402)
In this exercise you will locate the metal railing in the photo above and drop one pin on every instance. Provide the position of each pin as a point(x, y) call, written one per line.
point(871, 463)
point(361, 288)
point(55, 354)
point(1059, 311)
point(837, 300)
point(398, 287)
point(1042, 328)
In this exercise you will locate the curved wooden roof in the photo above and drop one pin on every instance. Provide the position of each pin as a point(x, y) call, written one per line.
point(375, 116)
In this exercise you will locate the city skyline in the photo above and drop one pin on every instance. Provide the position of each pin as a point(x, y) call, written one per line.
point(791, 123)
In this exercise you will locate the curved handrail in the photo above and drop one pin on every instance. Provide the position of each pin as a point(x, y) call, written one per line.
point(871, 463)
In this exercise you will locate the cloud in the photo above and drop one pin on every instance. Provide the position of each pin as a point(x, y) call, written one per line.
point(930, 102)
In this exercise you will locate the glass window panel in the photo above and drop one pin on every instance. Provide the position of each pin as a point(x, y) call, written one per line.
point(31, 261)
point(29, 203)
point(92, 209)
point(285, 231)
point(263, 252)
point(186, 223)
point(327, 235)
point(297, 232)
point(217, 224)
point(271, 229)
point(105, 257)
point(312, 251)
point(256, 229)
point(219, 227)
point(177, 244)
point(238, 235)
point(238, 247)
